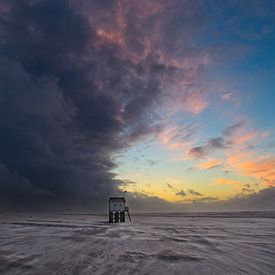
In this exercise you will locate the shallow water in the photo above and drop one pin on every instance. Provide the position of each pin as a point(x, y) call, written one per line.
point(170, 243)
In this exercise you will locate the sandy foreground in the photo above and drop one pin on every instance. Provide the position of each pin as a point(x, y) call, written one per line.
point(229, 243)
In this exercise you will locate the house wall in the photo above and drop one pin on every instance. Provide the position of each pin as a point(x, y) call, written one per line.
point(117, 206)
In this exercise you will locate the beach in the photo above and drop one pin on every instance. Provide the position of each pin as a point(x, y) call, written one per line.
point(162, 243)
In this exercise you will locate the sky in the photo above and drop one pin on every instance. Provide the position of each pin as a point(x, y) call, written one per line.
point(172, 101)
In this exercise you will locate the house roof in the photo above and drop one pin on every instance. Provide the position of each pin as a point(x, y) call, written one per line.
point(117, 199)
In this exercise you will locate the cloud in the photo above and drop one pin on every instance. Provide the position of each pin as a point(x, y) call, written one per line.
point(80, 81)
point(181, 193)
point(246, 190)
point(233, 129)
point(195, 201)
point(193, 192)
point(197, 152)
point(232, 136)
point(169, 186)
point(217, 143)
point(206, 199)
point(14, 187)
point(142, 202)
point(78, 86)
point(245, 137)
point(211, 145)
point(195, 101)
point(227, 181)
point(210, 164)
point(151, 162)
point(227, 96)
point(177, 137)
point(262, 200)
point(260, 167)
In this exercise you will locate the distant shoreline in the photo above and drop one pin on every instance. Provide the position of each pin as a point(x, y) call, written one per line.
point(222, 214)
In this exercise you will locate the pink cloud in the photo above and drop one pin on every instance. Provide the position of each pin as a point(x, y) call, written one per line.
point(227, 96)
point(177, 137)
point(195, 102)
point(245, 137)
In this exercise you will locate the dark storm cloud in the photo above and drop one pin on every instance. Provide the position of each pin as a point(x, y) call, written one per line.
point(80, 80)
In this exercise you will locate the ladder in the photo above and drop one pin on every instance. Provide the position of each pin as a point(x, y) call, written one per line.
point(128, 212)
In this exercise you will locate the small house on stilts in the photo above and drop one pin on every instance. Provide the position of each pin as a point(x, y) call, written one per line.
point(117, 209)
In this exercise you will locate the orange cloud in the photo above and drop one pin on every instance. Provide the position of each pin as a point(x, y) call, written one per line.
point(209, 164)
point(234, 159)
point(262, 167)
point(227, 181)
